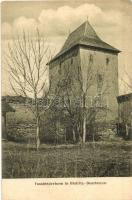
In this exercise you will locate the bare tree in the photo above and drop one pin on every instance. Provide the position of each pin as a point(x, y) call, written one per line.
point(79, 110)
point(79, 113)
point(68, 98)
point(28, 71)
point(127, 81)
point(85, 85)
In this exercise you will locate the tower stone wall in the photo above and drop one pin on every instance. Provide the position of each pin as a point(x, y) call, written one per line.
point(104, 67)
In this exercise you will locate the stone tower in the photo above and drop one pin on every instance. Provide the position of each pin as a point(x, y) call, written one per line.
point(96, 62)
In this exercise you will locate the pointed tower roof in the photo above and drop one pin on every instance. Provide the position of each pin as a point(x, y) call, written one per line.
point(84, 35)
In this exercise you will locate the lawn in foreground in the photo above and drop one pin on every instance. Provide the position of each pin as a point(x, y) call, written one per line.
point(100, 159)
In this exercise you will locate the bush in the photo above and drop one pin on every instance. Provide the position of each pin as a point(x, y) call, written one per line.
point(16, 136)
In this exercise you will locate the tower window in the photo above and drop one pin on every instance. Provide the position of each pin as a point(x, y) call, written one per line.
point(99, 83)
point(91, 58)
point(99, 78)
point(107, 61)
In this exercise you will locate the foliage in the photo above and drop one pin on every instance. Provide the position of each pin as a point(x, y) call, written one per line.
point(18, 133)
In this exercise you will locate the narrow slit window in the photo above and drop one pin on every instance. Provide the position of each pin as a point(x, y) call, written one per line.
point(99, 83)
point(91, 58)
point(107, 61)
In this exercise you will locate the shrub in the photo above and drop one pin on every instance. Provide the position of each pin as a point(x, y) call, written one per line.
point(16, 136)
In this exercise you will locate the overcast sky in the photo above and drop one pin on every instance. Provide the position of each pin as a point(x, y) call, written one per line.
point(112, 21)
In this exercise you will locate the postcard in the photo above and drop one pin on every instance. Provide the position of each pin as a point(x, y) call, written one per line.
point(66, 100)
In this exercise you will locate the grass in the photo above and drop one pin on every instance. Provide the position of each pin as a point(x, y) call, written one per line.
point(98, 160)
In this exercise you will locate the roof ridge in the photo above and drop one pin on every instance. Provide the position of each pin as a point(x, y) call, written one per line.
point(91, 28)
point(77, 28)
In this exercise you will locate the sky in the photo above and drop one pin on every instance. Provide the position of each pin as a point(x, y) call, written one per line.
point(112, 21)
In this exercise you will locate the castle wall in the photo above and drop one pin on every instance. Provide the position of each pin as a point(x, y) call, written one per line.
point(125, 112)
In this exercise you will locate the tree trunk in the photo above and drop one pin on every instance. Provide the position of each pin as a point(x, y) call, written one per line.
point(77, 133)
point(74, 135)
point(84, 129)
point(38, 135)
point(84, 118)
point(93, 136)
point(127, 132)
